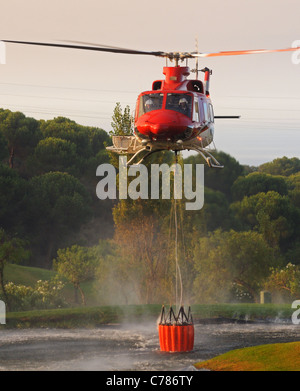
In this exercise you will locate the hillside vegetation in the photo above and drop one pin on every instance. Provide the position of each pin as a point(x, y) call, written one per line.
point(104, 252)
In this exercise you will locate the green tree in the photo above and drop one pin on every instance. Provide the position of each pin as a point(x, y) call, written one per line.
point(3, 148)
point(224, 260)
point(98, 140)
point(121, 121)
point(68, 130)
point(145, 260)
point(281, 166)
point(293, 182)
point(271, 214)
point(11, 250)
point(284, 282)
point(223, 179)
point(55, 154)
point(64, 128)
point(13, 204)
point(143, 248)
point(77, 264)
point(85, 146)
point(58, 205)
point(214, 214)
point(258, 182)
point(21, 132)
point(113, 283)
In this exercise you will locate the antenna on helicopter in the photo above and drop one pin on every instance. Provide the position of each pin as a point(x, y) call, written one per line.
point(196, 70)
point(197, 50)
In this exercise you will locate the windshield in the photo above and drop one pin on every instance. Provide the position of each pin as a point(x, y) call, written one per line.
point(149, 102)
point(179, 102)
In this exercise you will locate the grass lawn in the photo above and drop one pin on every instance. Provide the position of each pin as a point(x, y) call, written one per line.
point(28, 276)
point(274, 357)
point(86, 317)
point(25, 275)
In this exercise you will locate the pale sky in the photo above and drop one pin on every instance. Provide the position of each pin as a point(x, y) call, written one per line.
point(85, 86)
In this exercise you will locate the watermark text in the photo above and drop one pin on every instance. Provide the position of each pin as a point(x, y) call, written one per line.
point(296, 53)
point(159, 178)
point(2, 53)
point(2, 312)
point(296, 314)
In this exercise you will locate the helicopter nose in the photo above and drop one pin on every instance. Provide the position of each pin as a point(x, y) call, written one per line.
point(161, 129)
point(163, 122)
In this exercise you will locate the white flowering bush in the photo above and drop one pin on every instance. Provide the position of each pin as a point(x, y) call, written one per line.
point(240, 295)
point(44, 295)
point(18, 296)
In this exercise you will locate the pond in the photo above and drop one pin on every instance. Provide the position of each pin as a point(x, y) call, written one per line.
point(128, 347)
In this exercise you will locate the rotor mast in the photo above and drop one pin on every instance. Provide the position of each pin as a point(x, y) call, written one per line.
point(177, 56)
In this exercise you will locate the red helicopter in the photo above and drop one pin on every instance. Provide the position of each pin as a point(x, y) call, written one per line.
point(176, 114)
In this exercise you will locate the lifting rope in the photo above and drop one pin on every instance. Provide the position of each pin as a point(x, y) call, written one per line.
point(176, 329)
point(178, 271)
point(178, 300)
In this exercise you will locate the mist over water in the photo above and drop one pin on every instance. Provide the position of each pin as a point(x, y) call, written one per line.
point(128, 347)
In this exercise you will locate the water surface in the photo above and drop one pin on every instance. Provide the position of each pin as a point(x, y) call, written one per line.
point(128, 347)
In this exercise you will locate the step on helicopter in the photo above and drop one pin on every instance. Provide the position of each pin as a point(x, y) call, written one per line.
point(176, 114)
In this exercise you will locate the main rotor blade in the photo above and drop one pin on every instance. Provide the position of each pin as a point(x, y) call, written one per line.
point(102, 48)
point(171, 56)
point(241, 52)
point(99, 45)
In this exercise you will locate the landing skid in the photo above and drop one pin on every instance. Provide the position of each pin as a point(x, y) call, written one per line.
point(207, 156)
point(210, 159)
point(143, 158)
point(132, 146)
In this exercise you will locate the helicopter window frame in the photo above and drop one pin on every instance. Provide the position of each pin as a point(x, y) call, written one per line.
point(157, 104)
point(206, 113)
point(196, 111)
point(211, 112)
point(174, 106)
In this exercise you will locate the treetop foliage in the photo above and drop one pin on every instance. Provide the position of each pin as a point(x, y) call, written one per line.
point(47, 179)
point(121, 122)
point(281, 166)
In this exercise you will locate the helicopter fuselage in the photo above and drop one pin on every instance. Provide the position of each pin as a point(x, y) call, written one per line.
point(176, 115)
point(175, 112)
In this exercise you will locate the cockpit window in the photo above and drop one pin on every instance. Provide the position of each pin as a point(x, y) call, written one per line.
point(149, 102)
point(179, 102)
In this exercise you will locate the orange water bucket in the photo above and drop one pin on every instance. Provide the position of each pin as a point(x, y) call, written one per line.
point(176, 332)
point(176, 338)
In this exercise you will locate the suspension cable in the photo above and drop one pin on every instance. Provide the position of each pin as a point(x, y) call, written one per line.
point(178, 271)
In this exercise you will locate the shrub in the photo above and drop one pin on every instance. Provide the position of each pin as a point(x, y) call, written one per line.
point(44, 295)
